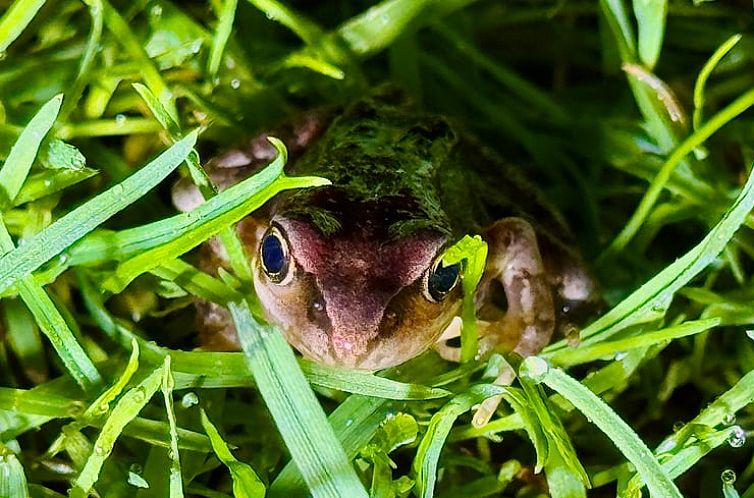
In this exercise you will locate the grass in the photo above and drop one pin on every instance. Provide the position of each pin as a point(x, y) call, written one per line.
point(634, 119)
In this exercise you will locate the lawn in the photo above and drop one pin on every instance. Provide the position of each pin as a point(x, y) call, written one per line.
point(632, 118)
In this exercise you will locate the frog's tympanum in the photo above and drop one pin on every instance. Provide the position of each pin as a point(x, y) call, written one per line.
point(351, 272)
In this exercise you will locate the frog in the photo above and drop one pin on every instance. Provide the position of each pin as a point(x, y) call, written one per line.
point(353, 272)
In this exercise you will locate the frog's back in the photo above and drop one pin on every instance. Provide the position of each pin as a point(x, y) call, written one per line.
point(421, 173)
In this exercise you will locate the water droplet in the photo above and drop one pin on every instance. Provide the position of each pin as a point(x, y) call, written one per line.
point(728, 476)
point(750, 334)
point(235, 83)
point(48, 183)
point(63, 258)
point(103, 407)
point(729, 418)
point(230, 63)
point(118, 189)
point(156, 10)
point(189, 400)
point(270, 16)
point(737, 436)
point(678, 426)
point(100, 449)
point(120, 119)
point(139, 395)
point(136, 468)
point(349, 422)
point(620, 355)
point(535, 369)
point(196, 46)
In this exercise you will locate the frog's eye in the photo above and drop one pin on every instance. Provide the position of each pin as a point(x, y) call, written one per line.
point(274, 255)
point(440, 280)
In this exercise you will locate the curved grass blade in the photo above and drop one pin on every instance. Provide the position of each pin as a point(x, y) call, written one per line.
point(212, 217)
point(12, 478)
point(302, 423)
point(82, 220)
point(705, 73)
point(125, 410)
point(176, 480)
point(246, 482)
point(224, 27)
point(625, 439)
point(21, 157)
point(428, 454)
point(15, 20)
point(661, 288)
point(650, 16)
point(53, 325)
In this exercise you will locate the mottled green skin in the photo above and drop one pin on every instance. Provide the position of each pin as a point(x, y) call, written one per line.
point(395, 173)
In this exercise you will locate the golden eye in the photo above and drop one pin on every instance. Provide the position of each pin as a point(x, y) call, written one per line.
point(440, 280)
point(274, 255)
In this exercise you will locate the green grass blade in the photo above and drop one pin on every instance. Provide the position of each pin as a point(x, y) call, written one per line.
point(15, 20)
point(660, 289)
point(584, 354)
point(696, 139)
point(176, 480)
point(53, 325)
point(704, 74)
point(428, 453)
point(125, 410)
point(82, 220)
point(222, 34)
point(246, 483)
point(122, 32)
point(625, 439)
point(296, 411)
point(21, 157)
point(12, 477)
point(650, 16)
point(210, 218)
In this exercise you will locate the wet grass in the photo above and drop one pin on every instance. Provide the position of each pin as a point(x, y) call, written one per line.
point(633, 118)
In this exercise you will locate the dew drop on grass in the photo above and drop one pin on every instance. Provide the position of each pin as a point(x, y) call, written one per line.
point(535, 369)
point(118, 189)
point(120, 119)
point(189, 400)
point(100, 449)
point(737, 436)
point(620, 355)
point(678, 426)
point(728, 476)
point(136, 468)
point(729, 418)
point(235, 83)
point(750, 334)
point(63, 258)
point(156, 10)
point(139, 395)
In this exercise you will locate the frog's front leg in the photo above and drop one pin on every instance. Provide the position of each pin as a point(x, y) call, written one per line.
point(528, 323)
point(515, 262)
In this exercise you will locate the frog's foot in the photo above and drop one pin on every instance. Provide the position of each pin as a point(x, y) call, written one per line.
point(514, 261)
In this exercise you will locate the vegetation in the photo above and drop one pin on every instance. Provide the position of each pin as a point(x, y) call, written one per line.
point(631, 116)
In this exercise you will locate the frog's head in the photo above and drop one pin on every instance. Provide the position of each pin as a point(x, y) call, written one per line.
point(352, 298)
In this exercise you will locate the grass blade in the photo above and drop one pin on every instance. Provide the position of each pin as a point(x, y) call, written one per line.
point(625, 439)
point(21, 157)
point(15, 20)
point(82, 220)
point(428, 453)
point(650, 15)
point(660, 289)
point(53, 325)
point(125, 410)
point(212, 217)
point(176, 480)
point(246, 483)
point(12, 478)
point(296, 411)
